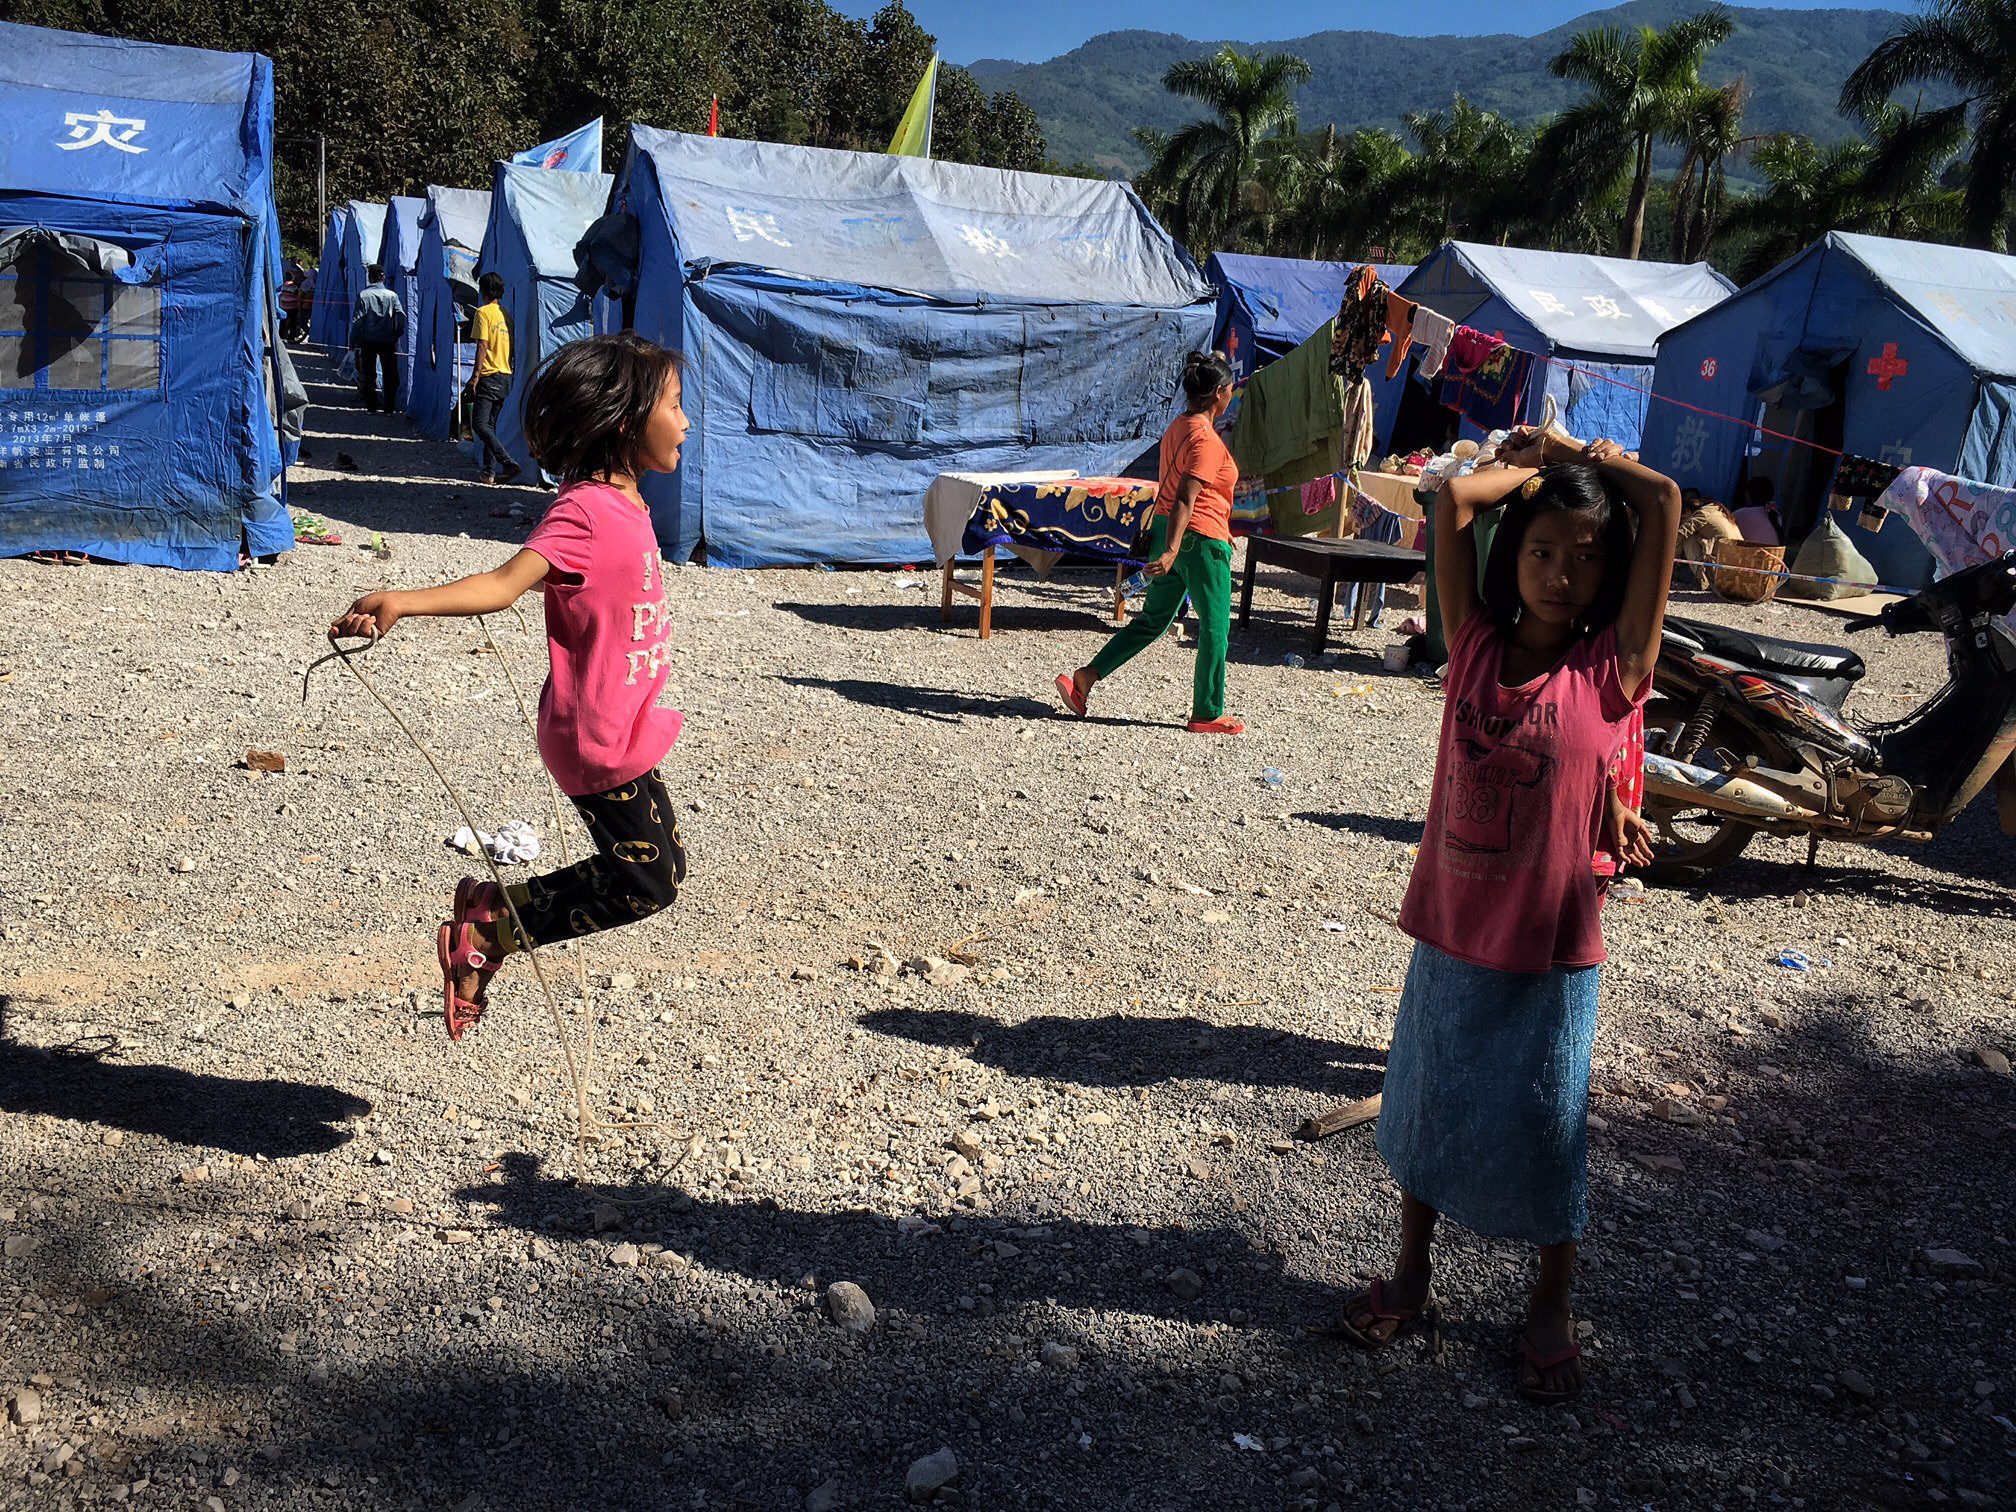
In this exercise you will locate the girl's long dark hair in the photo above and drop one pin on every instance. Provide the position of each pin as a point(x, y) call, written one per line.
point(1571, 488)
point(1204, 373)
point(586, 407)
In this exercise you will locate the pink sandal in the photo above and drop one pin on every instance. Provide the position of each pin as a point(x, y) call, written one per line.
point(1067, 689)
point(457, 954)
point(479, 903)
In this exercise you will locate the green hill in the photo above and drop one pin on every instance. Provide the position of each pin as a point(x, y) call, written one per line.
point(1090, 98)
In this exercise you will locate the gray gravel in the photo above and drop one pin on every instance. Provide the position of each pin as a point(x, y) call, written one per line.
point(1001, 1019)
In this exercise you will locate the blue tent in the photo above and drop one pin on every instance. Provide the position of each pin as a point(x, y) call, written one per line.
point(140, 366)
point(1896, 350)
point(1598, 318)
point(400, 252)
point(329, 278)
point(1268, 306)
point(537, 216)
point(858, 323)
point(451, 240)
point(363, 240)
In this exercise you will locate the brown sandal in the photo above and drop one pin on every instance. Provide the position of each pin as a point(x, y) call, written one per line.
point(1373, 1300)
point(1540, 1364)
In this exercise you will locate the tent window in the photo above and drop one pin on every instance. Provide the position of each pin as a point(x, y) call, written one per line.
point(63, 331)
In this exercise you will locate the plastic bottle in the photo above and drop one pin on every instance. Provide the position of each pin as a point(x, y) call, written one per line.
point(1273, 777)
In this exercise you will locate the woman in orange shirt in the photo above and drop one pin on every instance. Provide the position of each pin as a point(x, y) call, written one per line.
point(1189, 552)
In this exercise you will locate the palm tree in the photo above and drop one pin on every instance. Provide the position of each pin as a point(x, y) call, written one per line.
point(1909, 153)
point(1466, 175)
point(1211, 169)
point(1334, 194)
point(1970, 45)
point(1640, 86)
point(1710, 132)
point(1808, 192)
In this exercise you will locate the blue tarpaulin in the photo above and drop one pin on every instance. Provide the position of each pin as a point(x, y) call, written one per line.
point(400, 253)
point(579, 151)
point(451, 242)
point(1907, 349)
point(537, 215)
point(1268, 306)
point(1603, 315)
point(857, 323)
point(138, 264)
point(329, 278)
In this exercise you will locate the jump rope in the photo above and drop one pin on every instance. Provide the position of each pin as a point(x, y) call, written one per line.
point(589, 1125)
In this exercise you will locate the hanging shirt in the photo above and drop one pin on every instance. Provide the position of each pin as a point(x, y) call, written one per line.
point(1400, 328)
point(1192, 449)
point(1503, 878)
point(599, 721)
point(494, 332)
point(1432, 334)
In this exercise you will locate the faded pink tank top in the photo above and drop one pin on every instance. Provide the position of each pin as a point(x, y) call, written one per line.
point(1503, 878)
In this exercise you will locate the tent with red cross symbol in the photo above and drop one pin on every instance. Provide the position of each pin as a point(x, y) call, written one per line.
point(1899, 351)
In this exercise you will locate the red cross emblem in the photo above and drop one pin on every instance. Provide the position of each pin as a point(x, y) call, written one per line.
point(1889, 367)
point(1708, 367)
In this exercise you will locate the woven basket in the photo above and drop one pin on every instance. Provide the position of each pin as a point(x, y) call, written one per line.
point(1748, 587)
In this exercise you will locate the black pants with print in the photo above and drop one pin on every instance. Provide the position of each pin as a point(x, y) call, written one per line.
point(636, 870)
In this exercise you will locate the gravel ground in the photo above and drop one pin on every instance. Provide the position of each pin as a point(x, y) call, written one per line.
point(271, 1240)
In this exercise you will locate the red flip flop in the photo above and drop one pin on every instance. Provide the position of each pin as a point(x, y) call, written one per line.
point(1067, 689)
point(1224, 724)
point(456, 954)
point(1373, 1299)
point(1540, 1364)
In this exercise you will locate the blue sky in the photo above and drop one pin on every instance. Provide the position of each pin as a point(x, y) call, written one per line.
point(1031, 30)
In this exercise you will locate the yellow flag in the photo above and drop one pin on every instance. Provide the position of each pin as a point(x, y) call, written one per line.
point(913, 132)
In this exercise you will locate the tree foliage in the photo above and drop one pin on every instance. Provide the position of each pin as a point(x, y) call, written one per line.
point(407, 93)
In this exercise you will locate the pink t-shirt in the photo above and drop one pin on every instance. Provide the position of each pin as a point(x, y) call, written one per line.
point(599, 721)
point(1503, 878)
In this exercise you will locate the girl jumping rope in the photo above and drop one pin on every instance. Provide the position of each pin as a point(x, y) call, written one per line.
point(600, 415)
point(1487, 1081)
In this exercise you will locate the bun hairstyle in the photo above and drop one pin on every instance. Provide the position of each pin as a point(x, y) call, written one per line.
point(1570, 488)
point(1204, 373)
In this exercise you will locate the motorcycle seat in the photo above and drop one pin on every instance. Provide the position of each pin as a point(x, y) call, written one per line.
point(1766, 653)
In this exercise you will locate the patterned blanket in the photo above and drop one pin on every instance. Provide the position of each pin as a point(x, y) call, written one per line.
point(1101, 517)
point(1962, 523)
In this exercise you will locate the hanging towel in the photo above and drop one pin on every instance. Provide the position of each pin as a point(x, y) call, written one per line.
point(1432, 334)
point(1354, 443)
point(1493, 397)
point(1400, 327)
point(1289, 414)
point(1319, 494)
point(1468, 349)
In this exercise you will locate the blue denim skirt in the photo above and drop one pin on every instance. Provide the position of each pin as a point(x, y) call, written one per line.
point(1487, 1096)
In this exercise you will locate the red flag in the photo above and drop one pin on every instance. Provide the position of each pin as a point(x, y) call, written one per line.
point(714, 117)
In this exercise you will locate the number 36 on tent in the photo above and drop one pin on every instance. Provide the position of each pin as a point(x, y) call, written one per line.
point(1709, 367)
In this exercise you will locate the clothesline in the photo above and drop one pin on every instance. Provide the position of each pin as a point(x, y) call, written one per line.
point(1362, 291)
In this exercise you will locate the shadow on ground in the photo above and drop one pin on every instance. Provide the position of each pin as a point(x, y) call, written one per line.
point(82, 1083)
point(1120, 1051)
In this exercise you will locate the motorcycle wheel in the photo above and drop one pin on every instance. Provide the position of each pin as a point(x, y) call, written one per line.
point(1689, 842)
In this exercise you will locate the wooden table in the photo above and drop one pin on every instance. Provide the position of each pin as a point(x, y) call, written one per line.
point(985, 594)
point(1330, 563)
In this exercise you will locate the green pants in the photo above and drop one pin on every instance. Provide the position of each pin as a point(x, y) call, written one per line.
point(1203, 570)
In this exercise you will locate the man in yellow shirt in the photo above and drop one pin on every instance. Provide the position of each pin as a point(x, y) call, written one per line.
point(490, 383)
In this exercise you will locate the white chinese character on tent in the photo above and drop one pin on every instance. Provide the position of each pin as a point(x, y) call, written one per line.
point(986, 242)
point(1604, 306)
point(1690, 444)
point(750, 225)
point(1549, 302)
point(1897, 454)
point(104, 128)
point(1658, 312)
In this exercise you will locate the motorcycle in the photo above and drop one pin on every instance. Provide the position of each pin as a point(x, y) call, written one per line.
point(1745, 734)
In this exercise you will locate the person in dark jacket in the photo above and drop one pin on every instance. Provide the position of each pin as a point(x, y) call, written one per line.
point(376, 325)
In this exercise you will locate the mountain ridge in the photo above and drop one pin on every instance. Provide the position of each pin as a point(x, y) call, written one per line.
point(1091, 97)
